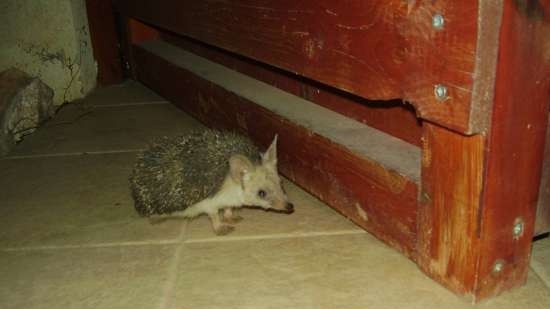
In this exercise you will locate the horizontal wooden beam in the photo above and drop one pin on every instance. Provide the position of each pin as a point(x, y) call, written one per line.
point(393, 117)
point(378, 50)
point(374, 179)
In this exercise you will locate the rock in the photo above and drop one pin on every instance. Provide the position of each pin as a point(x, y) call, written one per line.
point(25, 103)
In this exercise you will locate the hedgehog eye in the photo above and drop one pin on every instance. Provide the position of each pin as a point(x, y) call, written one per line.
point(262, 193)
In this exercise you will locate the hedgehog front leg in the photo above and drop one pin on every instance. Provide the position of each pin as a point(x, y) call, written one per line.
point(230, 217)
point(219, 228)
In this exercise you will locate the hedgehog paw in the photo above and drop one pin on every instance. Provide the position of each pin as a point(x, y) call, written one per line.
point(224, 229)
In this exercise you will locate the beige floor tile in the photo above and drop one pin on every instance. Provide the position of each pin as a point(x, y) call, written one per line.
point(128, 277)
point(72, 200)
point(80, 128)
point(129, 92)
point(310, 216)
point(540, 259)
point(351, 271)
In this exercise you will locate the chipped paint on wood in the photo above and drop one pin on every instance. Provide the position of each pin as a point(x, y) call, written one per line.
point(448, 220)
point(361, 212)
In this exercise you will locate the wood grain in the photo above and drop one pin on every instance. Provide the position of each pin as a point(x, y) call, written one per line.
point(394, 117)
point(477, 190)
point(516, 146)
point(379, 50)
point(379, 200)
point(450, 202)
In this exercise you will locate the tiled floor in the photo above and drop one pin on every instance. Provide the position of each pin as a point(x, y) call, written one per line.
point(69, 236)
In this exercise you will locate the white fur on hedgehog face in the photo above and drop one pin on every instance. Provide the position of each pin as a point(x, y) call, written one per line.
point(262, 187)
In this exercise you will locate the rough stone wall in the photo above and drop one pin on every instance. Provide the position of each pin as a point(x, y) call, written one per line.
point(49, 39)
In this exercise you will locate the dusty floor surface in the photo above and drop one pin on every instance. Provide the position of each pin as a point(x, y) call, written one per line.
point(70, 238)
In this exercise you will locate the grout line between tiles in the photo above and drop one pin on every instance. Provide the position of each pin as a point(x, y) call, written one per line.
point(274, 236)
point(181, 240)
point(170, 286)
point(70, 154)
point(99, 245)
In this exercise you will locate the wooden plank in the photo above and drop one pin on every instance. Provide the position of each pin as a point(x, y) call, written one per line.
point(542, 223)
point(480, 193)
point(102, 25)
point(395, 117)
point(516, 144)
point(373, 186)
point(448, 230)
point(378, 50)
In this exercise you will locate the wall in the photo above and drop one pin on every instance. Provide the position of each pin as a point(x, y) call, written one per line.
point(49, 39)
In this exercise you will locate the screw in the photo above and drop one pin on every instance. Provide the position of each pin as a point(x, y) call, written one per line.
point(440, 92)
point(438, 21)
point(498, 266)
point(518, 228)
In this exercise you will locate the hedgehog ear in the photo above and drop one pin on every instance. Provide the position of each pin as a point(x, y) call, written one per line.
point(239, 166)
point(270, 155)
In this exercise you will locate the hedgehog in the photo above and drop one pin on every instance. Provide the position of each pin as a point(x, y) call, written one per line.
point(203, 172)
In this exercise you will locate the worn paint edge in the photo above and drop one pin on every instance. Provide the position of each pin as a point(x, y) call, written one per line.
point(390, 152)
point(488, 37)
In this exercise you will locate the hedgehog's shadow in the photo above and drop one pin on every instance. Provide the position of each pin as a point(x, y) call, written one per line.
point(158, 219)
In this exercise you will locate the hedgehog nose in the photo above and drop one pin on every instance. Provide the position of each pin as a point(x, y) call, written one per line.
point(289, 207)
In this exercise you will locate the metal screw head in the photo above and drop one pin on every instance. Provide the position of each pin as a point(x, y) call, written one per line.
point(517, 230)
point(498, 266)
point(438, 21)
point(441, 92)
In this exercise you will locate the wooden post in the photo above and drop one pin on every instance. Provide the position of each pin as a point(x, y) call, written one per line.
point(479, 193)
point(102, 24)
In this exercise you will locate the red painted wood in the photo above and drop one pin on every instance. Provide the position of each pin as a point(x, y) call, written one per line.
point(134, 32)
point(448, 229)
point(516, 143)
point(352, 182)
point(140, 31)
point(102, 25)
point(379, 50)
point(393, 117)
point(476, 190)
